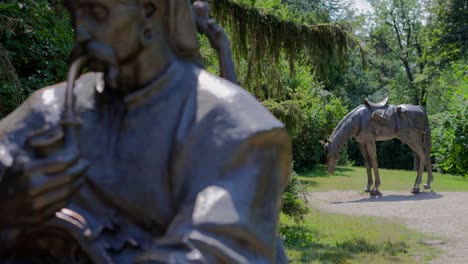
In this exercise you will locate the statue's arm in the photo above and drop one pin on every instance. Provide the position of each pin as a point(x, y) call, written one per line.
point(13, 131)
point(228, 203)
point(5, 159)
point(218, 38)
point(11, 138)
point(226, 64)
point(30, 153)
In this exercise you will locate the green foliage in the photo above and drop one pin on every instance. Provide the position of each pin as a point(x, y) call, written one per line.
point(307, 150)
point(320, 120)
point(262, 33)
point(397, 35)
point(307, 11)
point(332, 238)
point(449, 31)
point(450, 126)
point(294, 202)
point(11, 92)
point(309, 112)
point(35, 40)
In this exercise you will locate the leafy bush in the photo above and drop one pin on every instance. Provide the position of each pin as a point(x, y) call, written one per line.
point(298, 235)
point(35, 41)
point(450, 127)
point(294, 201)
point(310, 114)
point(321, 118)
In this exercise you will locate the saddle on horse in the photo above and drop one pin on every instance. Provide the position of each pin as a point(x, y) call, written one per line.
point(378, 115)
point(381, 104)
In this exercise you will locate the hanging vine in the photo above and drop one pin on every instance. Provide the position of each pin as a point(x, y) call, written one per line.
point(262, 39)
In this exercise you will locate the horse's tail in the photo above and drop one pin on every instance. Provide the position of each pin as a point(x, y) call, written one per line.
point(427, 145)
point(427, 139)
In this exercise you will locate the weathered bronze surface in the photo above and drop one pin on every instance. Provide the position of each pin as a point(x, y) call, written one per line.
point(218, 39)
point(381, 121)
point(147, 159)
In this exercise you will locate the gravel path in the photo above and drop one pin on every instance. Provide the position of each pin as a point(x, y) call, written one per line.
point(444, 214)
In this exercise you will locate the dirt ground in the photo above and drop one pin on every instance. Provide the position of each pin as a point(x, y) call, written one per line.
point(444, 214)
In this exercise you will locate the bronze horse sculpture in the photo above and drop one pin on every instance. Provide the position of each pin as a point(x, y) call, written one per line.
point(371, 122)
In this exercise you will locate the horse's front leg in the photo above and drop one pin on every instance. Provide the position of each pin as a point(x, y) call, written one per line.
point(371, 150)
point(365, 155)
point(369, 176)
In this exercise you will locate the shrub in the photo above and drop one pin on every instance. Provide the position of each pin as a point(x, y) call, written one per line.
point(36, 39)
point(294, 201)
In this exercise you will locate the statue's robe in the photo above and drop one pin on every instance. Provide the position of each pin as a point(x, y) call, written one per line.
point(189, 169)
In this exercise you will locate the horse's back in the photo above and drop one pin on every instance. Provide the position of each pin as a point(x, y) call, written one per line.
point(413, 117)
point(412, 108)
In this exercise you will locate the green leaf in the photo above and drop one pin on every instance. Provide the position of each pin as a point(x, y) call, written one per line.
point(6, 6)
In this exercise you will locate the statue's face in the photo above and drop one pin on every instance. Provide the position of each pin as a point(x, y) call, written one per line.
point(107, 31)
point(332, 158)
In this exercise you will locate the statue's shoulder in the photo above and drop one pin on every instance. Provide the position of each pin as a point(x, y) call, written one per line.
point(46, 104)
point(227, 101)
point(51, 98)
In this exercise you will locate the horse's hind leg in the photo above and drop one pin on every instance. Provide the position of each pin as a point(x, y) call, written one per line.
point(365, 155)
point(415, 143)
point(427, 144)
point(419, 176)
point(430, 177)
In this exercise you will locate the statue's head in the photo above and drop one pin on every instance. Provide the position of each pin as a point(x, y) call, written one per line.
point(332, 156)
point(115, 33)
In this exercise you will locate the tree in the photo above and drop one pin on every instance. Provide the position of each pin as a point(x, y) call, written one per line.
point(453, 24)
point(450, 125)
point(397, 33)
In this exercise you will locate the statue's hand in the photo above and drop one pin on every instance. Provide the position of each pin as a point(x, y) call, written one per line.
point(218, 38)
point(37, 187)
point(208, 26)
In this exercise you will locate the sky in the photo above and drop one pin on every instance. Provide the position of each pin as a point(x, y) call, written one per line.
point(362, 6)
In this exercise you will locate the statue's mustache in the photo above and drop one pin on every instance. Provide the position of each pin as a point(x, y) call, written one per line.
point(101, 58)
point(95, 50)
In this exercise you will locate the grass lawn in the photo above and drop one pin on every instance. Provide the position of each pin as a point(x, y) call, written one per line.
point(355, 178)
point(334, 238)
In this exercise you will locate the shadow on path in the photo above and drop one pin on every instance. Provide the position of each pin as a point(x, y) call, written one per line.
point(396, 198)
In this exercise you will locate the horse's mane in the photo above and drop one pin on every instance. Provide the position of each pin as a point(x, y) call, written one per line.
point(342, 122)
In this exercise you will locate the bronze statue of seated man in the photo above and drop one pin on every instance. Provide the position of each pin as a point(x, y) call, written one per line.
point(149, 159)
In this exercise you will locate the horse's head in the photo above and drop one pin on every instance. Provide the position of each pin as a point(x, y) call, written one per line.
point(332, 155)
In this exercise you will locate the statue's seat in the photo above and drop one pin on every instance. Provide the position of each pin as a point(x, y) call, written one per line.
point(380, 104)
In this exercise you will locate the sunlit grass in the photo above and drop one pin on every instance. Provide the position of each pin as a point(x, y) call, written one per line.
point(355, 178)
point(333, 238)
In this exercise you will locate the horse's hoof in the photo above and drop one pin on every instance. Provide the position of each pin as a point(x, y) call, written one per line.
point(427, 187)
point(367, 190)
point(375, 192)
point(415, 190)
